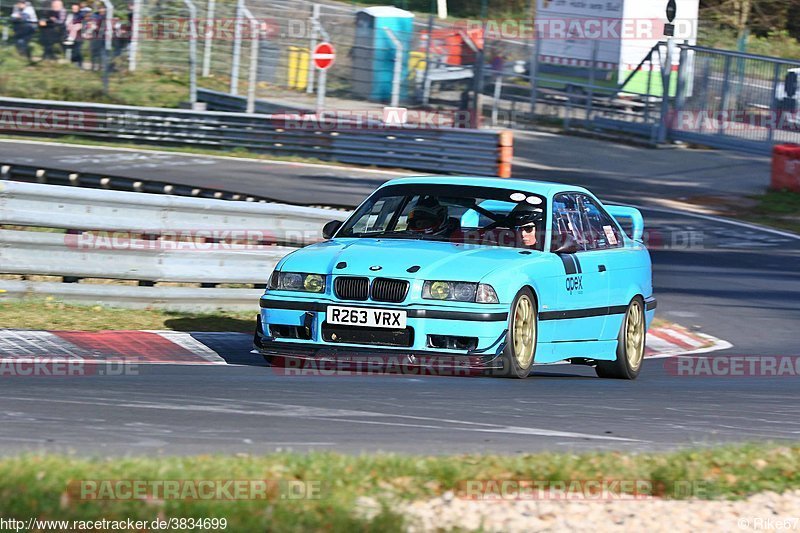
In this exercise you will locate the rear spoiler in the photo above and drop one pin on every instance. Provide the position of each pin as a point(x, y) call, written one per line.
point(631, 216)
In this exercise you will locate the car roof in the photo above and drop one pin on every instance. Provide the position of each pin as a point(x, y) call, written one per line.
point(544, 188)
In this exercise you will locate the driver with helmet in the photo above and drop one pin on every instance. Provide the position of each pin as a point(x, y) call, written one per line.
point(429, 217)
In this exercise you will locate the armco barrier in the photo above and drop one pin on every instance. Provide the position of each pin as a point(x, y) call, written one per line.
point(55, 206)
point(94, 180)
point(111, 256)
point(172, 298)
point(163, 239)
point(219, 101)
point(442, 150)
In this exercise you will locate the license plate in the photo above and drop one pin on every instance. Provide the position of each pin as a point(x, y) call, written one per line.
point(369, 318)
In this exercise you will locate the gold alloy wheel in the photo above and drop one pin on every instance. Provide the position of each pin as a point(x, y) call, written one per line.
point(634, 334)
point(523, 330)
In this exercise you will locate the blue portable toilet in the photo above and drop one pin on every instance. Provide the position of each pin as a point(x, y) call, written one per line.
point(374, 52)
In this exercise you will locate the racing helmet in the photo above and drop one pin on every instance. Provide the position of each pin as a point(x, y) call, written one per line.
point(524, 214)
point(428, 217)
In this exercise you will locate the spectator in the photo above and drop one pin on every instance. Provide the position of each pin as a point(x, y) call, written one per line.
point(122, 33)
point(74, 37)
point(98, 42)
point(23, 20)
point(497, 64)
point(86, 11)
point(52, 28)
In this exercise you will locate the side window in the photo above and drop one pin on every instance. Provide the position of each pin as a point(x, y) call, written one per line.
point(567, 222)
point(601, 231)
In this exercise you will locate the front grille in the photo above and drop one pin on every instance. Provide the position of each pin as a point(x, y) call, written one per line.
point(389, 290)
point(374, 336)
point(351, 288)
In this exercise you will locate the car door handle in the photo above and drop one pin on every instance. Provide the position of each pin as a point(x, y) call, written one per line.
point(601, 268)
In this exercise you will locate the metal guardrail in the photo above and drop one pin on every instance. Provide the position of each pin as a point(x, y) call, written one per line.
point(171, 298)
point(109, 256)
point(93, 180)
point(148, 238)
point(55, 206)
point(443, 150)
point(219, 101)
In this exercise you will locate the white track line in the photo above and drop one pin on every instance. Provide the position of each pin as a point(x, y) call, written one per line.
point(739, 223)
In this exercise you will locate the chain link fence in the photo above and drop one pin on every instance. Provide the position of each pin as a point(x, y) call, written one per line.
point(378, 50)
point(248, 50)
point(735, 100)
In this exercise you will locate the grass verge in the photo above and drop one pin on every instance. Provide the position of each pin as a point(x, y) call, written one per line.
point(50, 80)
point(50, 314)
point(45, 486)
point(779, 209)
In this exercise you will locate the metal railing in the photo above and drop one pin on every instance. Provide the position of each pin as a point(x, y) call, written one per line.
point(147, 238)
point(54, 206)
point(733, 100)
point(93, 180)
point(443, 150)
point(678, 92)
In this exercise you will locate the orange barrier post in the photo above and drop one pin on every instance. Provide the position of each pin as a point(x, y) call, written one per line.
point(786, 167)
point(505, 153)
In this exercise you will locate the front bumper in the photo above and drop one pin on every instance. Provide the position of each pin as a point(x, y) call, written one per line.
point(487, 325)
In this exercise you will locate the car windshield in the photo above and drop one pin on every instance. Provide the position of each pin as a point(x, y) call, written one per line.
point(464, 214)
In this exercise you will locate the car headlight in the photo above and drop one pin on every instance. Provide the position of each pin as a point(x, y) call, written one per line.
point(297, 281)
point(459, 291)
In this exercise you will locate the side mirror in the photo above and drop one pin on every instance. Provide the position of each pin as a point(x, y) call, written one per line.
point(330, 228)
point(569, 247)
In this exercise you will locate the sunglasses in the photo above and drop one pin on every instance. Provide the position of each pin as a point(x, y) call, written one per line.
point(529, 228)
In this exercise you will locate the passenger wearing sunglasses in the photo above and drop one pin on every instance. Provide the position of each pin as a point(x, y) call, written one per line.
point(528, 234)
point(526, 219)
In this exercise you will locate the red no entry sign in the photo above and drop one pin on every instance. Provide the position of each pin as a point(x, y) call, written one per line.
point(323, 56)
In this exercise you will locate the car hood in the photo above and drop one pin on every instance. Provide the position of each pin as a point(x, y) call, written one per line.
point(437, 260)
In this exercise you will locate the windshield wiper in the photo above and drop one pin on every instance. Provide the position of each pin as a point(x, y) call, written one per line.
point(403, 233)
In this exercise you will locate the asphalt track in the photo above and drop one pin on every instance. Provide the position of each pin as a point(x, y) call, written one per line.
point(737, 283)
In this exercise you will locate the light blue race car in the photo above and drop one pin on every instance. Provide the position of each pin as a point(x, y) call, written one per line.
point(485, 273)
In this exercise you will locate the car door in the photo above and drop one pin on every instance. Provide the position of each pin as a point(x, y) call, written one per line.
point(606, 240)
point(583, 296)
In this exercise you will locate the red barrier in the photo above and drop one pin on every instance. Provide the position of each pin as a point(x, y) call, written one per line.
point(786, 167)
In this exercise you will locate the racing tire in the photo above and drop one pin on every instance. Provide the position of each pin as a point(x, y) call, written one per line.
point(630, 345)
point(520, 349)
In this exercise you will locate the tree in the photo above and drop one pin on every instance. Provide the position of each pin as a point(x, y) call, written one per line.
point(759, 16)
